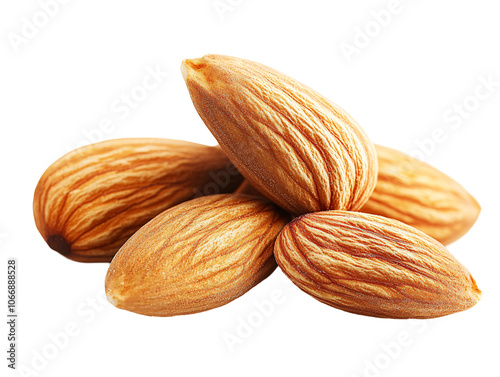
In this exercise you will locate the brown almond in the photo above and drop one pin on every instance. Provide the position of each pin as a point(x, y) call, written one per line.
point(90, 201)
point(414, 192)
point(374, 266)
point(196, 256)
point(293, 145)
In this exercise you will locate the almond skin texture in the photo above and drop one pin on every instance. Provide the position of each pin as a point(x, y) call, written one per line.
point(196, 256)
point(293, 145)
point(375, 266)
point(90, 201)
point(419, 195)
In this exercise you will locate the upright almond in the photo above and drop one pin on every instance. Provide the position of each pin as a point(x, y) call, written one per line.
point(196, 256)
point(292, 144)
point(90, 201)
point(372, 265)
point(412, 191)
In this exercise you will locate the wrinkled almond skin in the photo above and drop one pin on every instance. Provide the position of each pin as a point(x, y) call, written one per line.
point(90, 201)
point(419, 195)
point(196, 256)
point(375, 266)
point(294, 146)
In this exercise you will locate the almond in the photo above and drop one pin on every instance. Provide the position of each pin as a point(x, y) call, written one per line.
point(371, 265)
point(293, 145)
point(419, 195)
point(89, 202)
point(196, 256)
point(247, 189)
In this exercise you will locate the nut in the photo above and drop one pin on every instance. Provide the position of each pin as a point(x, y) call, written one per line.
point(247, 189)
point(419, 195)
point(90, 201)
point(196, 256)
point(294, 146)
point(372, 265)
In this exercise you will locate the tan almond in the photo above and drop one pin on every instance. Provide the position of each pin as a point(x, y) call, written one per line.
point(375, 266)
point(247, 189)
point(293, 145)
point(414, 192)
point(90, 201)
point(196, 256)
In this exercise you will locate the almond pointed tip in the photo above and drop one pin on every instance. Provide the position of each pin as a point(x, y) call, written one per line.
point(112, 299)
point(190, 67)
point(474, 294)
point(477, 207)
point(477, 293)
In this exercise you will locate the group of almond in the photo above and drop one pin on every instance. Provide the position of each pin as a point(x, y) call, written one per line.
point(357, 226)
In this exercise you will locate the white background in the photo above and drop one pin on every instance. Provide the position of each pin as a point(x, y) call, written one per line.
point(63, 81)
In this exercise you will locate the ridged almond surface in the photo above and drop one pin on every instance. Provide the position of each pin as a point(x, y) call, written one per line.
point(293, 145)
point(374, 266)
point(90, 201)
point(196, 256)
point(419, 195)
